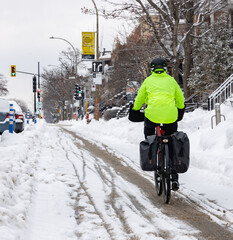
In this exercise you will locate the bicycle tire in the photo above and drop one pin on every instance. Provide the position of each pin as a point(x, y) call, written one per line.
point(158, 183)
point(157, 175)
point(166, 179)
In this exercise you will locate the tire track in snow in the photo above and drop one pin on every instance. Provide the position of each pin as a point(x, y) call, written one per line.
point(113, 197)
point(84, 188)
point(110, 203)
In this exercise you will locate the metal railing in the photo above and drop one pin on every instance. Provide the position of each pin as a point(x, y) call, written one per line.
point(123, 112)
point(220, 95)
point(217, 115)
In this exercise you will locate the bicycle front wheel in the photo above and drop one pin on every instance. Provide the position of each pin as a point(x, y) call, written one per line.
point(166, 188)
point(166, 179)
point(158, 183)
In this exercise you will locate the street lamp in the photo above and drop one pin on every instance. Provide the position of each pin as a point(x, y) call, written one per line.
point(97, 30)
point(75, 54)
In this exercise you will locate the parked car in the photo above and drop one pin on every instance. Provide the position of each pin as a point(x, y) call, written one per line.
point(4, 115)
point(19, 117)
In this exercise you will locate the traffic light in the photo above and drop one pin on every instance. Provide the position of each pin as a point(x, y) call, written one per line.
point(13, 70)
point(76, 92)
point(34, 83)
point(79, 93)
point(38, 93)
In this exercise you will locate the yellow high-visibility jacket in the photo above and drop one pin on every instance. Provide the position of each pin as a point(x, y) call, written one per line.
point(162, 95)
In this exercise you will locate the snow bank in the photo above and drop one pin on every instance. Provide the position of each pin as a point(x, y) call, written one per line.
point(27, 177)
point(16, 181)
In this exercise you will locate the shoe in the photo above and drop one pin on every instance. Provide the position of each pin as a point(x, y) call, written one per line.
point(175, 185)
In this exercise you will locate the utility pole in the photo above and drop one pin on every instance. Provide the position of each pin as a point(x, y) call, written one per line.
point(97, 58)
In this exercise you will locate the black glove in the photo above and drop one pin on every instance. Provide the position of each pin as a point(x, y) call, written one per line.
point(135, 116)
point(181, 113)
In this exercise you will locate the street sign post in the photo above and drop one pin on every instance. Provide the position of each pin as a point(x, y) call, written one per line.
point(97, 67)
point(93, 87)
point(77, 103)
point(39, 105)
point(97, 78)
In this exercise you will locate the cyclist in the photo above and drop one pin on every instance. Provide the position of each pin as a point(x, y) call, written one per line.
point(163, 98)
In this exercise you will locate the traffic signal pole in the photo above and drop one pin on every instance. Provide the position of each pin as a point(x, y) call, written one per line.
point(34, 91)
point(39, 80)
point(35, 108)
point(13, 74)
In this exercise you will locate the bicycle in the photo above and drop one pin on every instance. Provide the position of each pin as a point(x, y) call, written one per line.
point(163, 172)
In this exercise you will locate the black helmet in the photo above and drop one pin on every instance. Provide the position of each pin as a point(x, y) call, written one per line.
point(158, 63)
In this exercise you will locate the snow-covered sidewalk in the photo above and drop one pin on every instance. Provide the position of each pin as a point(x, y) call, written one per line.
point(37, 187)
point(51, 214)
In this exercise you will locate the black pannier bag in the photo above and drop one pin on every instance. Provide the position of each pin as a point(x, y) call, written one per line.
point(180, 151)
point(148, 150)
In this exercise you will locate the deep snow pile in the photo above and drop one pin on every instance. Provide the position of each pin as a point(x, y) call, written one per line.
point(36, 186)
point(16, 181)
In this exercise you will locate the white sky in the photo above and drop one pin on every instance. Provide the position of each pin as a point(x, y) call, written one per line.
point(26, 26)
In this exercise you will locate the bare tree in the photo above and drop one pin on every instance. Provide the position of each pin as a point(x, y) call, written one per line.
point(173, 29)
point(22, 104)
point(3, 85)
point(57, 86)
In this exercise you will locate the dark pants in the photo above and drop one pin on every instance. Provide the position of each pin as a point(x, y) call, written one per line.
point(149, 129)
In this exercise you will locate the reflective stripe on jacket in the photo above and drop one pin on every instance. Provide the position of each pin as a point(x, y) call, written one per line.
point(162, 95)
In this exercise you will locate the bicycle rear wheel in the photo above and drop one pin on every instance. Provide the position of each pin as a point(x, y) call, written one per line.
point(166, 179)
